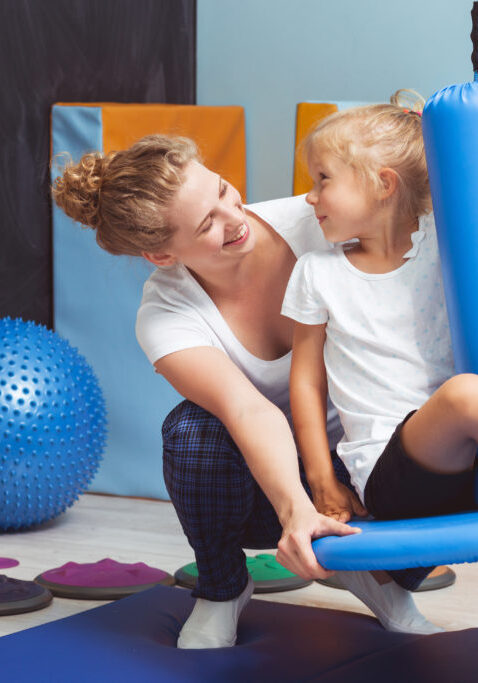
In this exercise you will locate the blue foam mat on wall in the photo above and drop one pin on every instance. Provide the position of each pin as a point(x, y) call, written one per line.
point(96, 296)
point(133, 641)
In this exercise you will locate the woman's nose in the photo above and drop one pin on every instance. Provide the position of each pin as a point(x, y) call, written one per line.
point(233, 215)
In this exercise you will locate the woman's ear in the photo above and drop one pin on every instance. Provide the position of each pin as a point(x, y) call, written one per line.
point(389, 182)
point(159, 258)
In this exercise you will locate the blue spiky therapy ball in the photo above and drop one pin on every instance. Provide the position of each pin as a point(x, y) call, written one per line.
point(52, 424)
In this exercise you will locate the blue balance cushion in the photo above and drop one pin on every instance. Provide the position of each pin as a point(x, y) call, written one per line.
point(402, 543)
point(133, 641)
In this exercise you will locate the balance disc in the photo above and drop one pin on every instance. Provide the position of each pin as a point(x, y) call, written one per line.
point(440, 577)
point(268, 575)
point(18, 596)
point(103, 580)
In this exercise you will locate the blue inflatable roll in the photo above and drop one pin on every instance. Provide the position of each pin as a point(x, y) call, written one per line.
point(450, 129)
point(400, 544)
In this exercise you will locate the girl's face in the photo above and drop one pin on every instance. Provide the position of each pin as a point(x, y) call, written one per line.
point(343, 204)
point(211, 226)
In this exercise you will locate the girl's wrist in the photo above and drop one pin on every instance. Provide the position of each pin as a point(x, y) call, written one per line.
point(322, 479)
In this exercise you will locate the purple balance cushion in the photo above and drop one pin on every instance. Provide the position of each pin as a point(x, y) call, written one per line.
point(103, 580)
point(134, 640)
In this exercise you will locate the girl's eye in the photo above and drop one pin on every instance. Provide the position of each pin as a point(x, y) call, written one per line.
point(207, 227)
point(223, 190)
point(322, 176)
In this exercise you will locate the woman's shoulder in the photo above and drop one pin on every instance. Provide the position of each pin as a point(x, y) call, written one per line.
point(171, 288)
point(172, 315)
point(282, 211)
point(165, 278)
point(294, 220)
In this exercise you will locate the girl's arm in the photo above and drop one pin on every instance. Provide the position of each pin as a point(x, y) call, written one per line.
point(210, 379)
point(308, 397)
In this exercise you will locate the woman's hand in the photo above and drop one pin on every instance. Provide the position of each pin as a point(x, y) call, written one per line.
point(336, 500)
point(295, 546)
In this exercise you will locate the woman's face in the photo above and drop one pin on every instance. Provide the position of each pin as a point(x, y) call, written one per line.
point(210, 221)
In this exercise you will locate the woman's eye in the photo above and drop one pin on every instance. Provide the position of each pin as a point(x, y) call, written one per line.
point(322, 176)
point(207, 227)
point(223, 190)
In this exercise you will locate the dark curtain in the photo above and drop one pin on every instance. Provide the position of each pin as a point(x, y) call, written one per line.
point(72, 51)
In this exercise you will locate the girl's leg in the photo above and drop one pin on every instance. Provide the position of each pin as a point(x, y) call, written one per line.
point(428, 466)
point(442, 436)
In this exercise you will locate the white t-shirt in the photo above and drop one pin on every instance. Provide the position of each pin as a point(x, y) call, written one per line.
point(176, 313)
point(387, 345)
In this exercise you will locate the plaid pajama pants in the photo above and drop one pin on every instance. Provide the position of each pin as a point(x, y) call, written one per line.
point(220, 506)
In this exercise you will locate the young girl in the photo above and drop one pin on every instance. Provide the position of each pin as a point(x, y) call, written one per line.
point(371, 326)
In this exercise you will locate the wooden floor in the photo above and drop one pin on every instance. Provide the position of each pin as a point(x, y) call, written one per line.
point(131, 530)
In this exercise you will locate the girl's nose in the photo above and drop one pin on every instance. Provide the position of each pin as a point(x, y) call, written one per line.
point(311, 197)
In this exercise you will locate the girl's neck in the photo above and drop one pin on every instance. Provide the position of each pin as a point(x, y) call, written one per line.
point(383, 251)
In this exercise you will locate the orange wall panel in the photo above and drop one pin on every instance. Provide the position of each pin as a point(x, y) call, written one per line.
point(307, 116)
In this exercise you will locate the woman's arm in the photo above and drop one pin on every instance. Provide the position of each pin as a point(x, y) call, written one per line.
point(308, 397)
point(210, 379)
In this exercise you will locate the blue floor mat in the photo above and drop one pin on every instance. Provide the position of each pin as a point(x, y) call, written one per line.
point(133, 641)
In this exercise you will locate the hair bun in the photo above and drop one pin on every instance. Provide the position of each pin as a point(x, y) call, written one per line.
point(78, 189)
point(408, 99)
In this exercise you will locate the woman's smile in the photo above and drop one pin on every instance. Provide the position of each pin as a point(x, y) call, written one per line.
point(239, 237)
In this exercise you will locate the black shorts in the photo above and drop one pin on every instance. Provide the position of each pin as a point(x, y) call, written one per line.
point(400, 488)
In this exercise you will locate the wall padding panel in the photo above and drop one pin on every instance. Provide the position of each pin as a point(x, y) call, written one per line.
point(97, 294)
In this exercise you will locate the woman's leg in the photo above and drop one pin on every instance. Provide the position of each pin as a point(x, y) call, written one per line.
point(216, 499)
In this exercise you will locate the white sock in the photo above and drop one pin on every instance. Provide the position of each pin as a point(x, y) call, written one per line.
point(393, 606)
point(214, 624)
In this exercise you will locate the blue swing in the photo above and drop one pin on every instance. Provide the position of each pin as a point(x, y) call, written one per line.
point(402, 543)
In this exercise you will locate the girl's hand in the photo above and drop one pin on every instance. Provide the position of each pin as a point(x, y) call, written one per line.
point(335, 500)
point(295, 546)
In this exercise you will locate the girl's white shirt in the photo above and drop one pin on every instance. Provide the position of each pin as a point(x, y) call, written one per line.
point(176, 313)
point(387, 346)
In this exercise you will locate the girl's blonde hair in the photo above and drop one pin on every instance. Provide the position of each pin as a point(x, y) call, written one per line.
point(376, 136)
point(124, 195)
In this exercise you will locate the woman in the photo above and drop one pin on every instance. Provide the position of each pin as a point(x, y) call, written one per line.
point(210, 324)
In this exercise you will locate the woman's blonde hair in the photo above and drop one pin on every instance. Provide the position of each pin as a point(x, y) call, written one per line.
point(124, 195)
point(376, 136)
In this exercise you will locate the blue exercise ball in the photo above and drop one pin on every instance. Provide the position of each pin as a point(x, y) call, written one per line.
point(52, 424)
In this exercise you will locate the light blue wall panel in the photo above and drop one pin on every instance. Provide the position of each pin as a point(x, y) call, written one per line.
point(267, 55)
point(96, 296)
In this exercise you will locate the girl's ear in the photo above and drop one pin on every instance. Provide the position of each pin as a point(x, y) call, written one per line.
point(389, 182)
point(159, 258)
